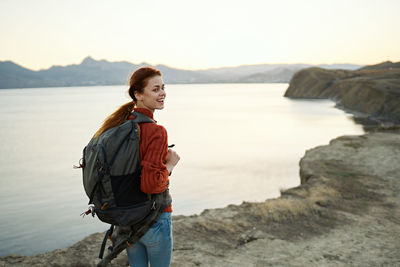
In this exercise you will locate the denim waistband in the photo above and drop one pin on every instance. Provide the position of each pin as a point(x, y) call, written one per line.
point(166, 215)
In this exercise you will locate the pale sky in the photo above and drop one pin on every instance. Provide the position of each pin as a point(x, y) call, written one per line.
point(199, 34)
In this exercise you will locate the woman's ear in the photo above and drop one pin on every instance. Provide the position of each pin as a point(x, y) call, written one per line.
point(138, 96)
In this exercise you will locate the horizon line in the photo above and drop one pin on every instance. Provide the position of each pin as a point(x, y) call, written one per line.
point(194, 69)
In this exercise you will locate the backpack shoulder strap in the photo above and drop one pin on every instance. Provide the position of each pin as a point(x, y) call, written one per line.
point(141, 118)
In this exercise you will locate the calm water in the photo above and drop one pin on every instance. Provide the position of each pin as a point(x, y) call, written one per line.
point(237, 142)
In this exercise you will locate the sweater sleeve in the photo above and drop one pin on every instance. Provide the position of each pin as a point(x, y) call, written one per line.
point(154, 175)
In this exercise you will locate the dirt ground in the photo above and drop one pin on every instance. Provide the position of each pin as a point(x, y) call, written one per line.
point(345, 213)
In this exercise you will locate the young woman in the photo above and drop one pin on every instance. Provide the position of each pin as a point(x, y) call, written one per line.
point(147, 92)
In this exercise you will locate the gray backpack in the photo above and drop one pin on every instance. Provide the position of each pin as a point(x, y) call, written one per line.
point(111, 174)
point(111, 178)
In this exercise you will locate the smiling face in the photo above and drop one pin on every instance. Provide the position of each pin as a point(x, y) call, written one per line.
point(153, 94)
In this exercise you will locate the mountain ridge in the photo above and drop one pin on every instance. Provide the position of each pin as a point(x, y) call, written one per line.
point(103, 72)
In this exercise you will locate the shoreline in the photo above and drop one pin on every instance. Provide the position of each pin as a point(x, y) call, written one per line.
point(346, 211)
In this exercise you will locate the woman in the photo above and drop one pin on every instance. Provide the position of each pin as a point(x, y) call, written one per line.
point(148, 94)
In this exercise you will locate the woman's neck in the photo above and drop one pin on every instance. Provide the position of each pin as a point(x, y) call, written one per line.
point(139, 105)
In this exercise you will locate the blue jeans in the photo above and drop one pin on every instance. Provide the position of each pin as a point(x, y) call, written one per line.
point(155, 246)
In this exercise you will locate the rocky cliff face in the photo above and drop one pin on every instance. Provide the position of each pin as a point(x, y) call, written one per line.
point(373, 90)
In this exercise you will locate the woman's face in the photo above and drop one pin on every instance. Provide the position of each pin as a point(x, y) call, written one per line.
point(153, 95)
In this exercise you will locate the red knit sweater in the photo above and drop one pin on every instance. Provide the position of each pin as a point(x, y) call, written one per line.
point(153, 156)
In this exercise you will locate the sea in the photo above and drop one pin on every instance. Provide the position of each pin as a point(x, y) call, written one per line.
point(237, 142)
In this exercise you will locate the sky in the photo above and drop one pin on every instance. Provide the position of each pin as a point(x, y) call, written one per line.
point(199, 34)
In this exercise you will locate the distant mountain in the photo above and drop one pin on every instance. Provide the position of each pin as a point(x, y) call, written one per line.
point(254, 73)
point(89, 72)
point(277, 75)
point(15, 76)
point(102, 72)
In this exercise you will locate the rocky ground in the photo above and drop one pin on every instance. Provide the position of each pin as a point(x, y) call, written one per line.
point(345, 213)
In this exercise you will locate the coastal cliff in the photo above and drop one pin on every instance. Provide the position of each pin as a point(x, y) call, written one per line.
point(346, 212)
point(373, 91)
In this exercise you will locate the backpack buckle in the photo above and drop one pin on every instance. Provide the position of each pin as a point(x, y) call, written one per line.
point(80, 164)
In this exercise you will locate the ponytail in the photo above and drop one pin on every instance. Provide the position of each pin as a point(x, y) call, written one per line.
point(117, 118)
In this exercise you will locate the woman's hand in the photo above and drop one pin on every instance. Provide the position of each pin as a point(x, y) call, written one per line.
point(172, 160)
